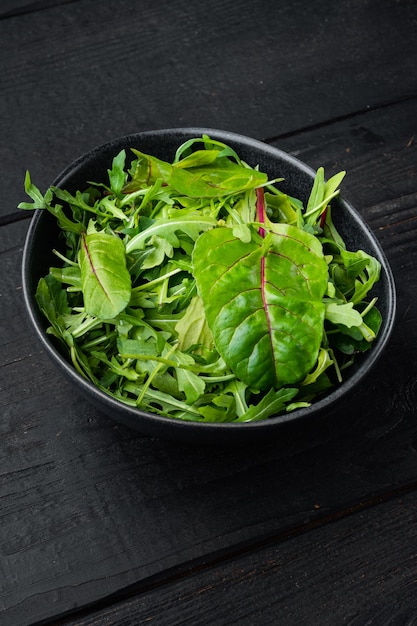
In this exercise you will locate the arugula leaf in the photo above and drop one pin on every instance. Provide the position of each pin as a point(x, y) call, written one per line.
point(345, 314)
point(38, 201)
point(272, 404)
point(190, 222)
point(321, 194)
point(190, 383)
point(117, 174)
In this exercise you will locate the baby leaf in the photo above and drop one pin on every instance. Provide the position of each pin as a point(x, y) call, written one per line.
point(117, 173)
point(217, 179)
point(271, 404)
point(343, 314)
point(192, 385)
point(189, 222)
point(192, 328)
point(52, 300)
point(106, 282)
point(263, 301)
point(197, 176)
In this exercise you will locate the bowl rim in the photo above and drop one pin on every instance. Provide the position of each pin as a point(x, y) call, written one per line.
point(159, 422)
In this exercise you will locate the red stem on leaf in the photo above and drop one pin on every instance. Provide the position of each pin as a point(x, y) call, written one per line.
point(260, 209)
point(323, 218)
point(260, 216)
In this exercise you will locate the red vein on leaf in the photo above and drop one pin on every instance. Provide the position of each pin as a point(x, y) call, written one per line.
point(260, 209)
point(323, 218)
point(90, 262)
point(260, 215)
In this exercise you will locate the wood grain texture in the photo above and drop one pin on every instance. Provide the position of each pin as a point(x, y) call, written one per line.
point(296, 582)
point(14, 8)
point(75, 76)
point(89, 508)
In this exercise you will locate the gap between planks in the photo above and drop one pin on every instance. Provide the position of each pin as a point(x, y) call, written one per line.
point(339, 118)
point(19, 215)
point(32, 7)
point(209, 561)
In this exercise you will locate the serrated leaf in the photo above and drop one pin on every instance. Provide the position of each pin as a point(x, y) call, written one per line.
point(192, 385)
point(117, 174)
point(34, 193)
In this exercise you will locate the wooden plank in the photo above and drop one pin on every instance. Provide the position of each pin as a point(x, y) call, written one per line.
point(381, 179)
point(13, 8)
point(359, 570)
point(88, 508)
point(73, 77)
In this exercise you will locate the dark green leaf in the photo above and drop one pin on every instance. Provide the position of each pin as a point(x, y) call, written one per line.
point(263, 302)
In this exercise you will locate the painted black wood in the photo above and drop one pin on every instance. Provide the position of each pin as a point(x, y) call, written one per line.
point(295, 581)
point(14, 8)
point(77, 75)
point(89, 509)
point(99, 508)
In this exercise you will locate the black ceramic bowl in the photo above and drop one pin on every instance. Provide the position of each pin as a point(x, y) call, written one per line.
point(42, 237)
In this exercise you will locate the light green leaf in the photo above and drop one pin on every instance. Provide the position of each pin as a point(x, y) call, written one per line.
point(117, 173)
point(317, 191)
point(106, 283)
point(343, 314)
point(198, 176)
point(272, 404)
point(333, 184)
point(34, 193)
point(323, 362)
point(216, 180)
point(108, 205)
point(190, 222)
point(192, 328)
point(368, 278)
point(191, 384)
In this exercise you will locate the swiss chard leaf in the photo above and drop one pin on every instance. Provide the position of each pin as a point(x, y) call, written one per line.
point(105, 280)
point(263, 301)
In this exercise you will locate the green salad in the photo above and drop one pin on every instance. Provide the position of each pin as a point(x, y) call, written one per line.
point(199, 291)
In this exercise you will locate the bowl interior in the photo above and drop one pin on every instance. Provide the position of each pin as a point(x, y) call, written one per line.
point(43, 236)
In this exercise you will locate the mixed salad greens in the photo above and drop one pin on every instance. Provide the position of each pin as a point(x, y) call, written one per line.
point(199, 291)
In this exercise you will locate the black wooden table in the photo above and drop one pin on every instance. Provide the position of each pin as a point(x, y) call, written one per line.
point(100, 525)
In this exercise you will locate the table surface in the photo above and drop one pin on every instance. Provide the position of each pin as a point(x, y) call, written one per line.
point(101, 525)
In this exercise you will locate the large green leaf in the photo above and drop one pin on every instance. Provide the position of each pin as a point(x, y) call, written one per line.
point(105, 280)
point(202, 175)
point(263, 301)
